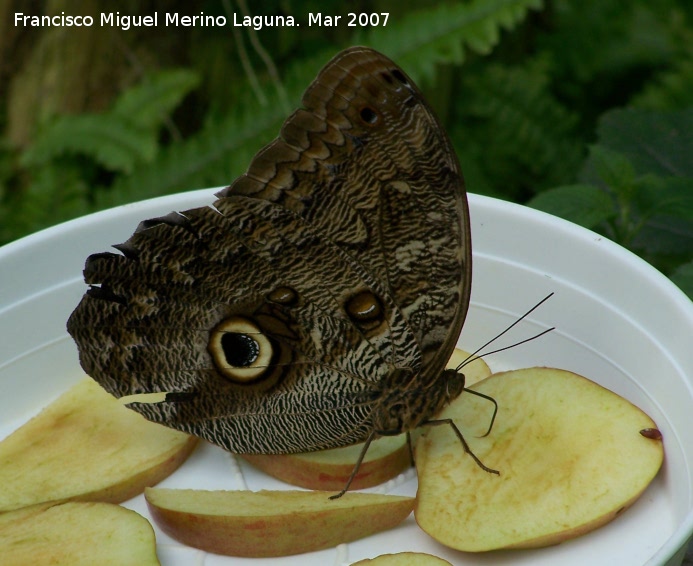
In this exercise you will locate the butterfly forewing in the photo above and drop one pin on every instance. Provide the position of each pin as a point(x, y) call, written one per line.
point(412, 197)
point(337, 267)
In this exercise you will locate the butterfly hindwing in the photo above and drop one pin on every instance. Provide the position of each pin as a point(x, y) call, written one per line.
point(278, 317)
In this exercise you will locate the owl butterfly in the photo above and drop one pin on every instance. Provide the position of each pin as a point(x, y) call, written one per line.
point(313, 305)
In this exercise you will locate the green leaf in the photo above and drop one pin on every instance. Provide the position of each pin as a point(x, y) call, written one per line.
point(669, 196)
point(586, 205)
point(148, 103)
point(665, 236)
point(57, 193)
point(211, 158)
point(659, 142)
point(526, 137)
point(665, 204)
point(614, 169)
point(672, 89)
point(439, 34)
point(223, 148)
point(108, 139)
point(683, 277)
point(641, 159)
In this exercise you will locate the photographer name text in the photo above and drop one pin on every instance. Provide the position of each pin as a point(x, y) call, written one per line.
point(125, 22)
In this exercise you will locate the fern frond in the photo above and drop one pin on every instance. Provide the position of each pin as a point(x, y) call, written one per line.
point(222, 150)
point(121, 138)
point(213, 157)
point(56, 194)
point(427, 37)
point(109, 139)
point(528, 135)
point(151, 101)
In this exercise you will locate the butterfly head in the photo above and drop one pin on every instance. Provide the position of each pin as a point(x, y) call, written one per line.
point(453, 382)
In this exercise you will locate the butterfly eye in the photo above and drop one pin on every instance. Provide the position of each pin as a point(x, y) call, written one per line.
point(241, 352)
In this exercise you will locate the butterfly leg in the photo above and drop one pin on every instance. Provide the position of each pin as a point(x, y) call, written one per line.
point(493, 417)
point(362, 455)
point(463, 441)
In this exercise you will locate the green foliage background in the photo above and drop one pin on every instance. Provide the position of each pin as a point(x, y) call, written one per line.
point(582, 109)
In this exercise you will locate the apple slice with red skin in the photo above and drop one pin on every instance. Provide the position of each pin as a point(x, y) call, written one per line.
point(329, 470)
point(264, 524)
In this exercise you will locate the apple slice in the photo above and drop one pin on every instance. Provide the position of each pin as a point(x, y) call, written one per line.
point(86, 446)
point(79, 534)
point(271, 523)
point(570, 454)
point(403, 559)
point(329, 470)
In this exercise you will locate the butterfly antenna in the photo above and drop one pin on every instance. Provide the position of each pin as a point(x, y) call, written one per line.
point(475, 355)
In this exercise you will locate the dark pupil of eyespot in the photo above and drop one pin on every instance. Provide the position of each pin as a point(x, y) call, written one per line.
point(240, 350)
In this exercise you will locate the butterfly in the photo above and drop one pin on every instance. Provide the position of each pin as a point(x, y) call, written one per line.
point(316, 302)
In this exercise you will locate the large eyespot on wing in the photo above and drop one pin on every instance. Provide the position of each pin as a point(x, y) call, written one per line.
point(157, 319)
point(241, 352)
point(367, 164)
point(361, 200)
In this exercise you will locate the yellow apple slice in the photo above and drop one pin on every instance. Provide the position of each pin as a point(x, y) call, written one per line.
point(271, 523)
point(570, 453)
point(403, 559)
point(87, 446)
point(78, 534)
point(329, 470)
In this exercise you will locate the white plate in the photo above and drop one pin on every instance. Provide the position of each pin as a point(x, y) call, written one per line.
point(619, 322)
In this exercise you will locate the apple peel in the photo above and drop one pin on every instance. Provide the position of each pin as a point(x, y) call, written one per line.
point(329, 470)
point(271, 523)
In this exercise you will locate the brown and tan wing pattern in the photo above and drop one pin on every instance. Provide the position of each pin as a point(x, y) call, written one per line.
point(276, 317)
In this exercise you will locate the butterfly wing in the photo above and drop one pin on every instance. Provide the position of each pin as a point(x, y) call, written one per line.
point(274, 317)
